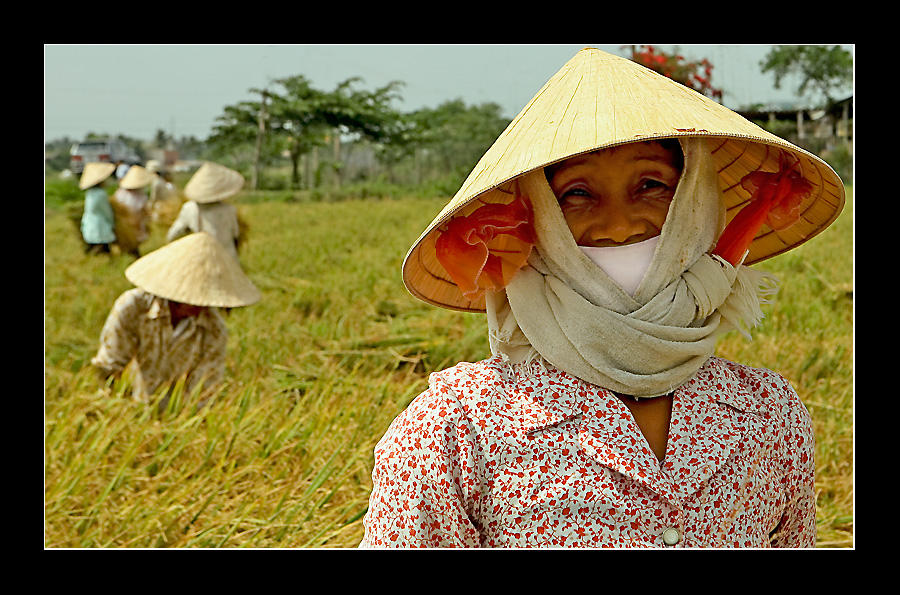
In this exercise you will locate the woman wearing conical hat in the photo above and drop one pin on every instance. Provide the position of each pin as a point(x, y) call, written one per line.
point(606, 235)
point(162, 189)
point(130, 202)
point(97, 220)
point(207, 208)
point(169, 325)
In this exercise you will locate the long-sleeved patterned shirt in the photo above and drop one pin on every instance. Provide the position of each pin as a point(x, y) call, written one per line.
point(139, 328)
point(491, 457)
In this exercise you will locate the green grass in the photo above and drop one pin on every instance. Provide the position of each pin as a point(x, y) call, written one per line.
point(318, 369)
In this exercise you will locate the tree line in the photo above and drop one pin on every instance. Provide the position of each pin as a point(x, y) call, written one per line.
point(291, 135)
point(316, 133)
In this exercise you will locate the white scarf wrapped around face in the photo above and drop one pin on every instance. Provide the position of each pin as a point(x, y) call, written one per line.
point(564, 308)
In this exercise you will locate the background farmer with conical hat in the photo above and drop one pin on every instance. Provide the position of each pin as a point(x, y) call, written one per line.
point(97, 220)
point(207, 209)
point(169, 324)
point(130, 205)
point(606, 235)
point(164, 196)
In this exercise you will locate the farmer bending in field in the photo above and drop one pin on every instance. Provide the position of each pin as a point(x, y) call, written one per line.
point(98, 221)
point(607, 271)
point(169, 325)
point(207, 208)
point(130, 205)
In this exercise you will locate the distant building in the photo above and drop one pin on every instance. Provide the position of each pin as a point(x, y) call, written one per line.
point(814, 129)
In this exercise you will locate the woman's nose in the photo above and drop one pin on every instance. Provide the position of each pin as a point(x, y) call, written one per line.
point(613, 226)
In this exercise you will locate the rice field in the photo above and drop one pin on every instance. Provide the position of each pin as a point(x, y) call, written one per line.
point(318, 369)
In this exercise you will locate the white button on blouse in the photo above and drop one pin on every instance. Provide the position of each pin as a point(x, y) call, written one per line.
point(671, 536)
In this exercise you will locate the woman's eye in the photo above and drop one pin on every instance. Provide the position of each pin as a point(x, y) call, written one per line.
point(575, 192)
point(575, 196)
point(654, 184)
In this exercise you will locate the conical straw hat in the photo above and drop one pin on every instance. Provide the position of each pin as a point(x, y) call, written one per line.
point(94, 173)
point(195, 270)
point(136, 177)
point(212, 183)
point(599, 100)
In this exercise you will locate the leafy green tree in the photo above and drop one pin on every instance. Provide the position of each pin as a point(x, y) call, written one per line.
point(162, 139)
point(822, 69)
point(456, 135)
point(233, 140)
point(299, 117)
point(400, 146)
point(345, 112)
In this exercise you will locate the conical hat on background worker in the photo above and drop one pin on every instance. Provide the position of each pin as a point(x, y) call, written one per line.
point(194, 270)
point(136, 177)
point(94, 173)
point(599, 100)
point(212, 183)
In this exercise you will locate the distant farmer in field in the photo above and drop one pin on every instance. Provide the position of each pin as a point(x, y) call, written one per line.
point(161, 188)
point(97, 220)
point(130, 205)
point(607, 271)
point(206, 208)
point(165, 199)
point(169, 326)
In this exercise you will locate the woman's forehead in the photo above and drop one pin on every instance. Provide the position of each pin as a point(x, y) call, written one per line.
point(649, 151)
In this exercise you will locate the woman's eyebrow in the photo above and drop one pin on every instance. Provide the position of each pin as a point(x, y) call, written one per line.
point(657, 158)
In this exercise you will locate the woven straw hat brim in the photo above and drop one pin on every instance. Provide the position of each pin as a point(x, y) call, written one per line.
point(94, 173)
point(213, 183)
point(598, 100)
point(195, 270)
point(136, 177)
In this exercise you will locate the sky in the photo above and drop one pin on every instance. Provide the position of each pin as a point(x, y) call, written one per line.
point(136, 90)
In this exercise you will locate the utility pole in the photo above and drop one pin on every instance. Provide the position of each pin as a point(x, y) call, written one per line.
point(259, 139)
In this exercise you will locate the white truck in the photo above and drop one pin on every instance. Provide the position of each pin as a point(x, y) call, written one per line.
point(105, 150)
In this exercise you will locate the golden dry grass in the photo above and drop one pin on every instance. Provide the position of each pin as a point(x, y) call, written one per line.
point(318, 369)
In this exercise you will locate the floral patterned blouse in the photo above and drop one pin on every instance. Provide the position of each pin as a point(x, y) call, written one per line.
point(139, 327)
point(491, 457)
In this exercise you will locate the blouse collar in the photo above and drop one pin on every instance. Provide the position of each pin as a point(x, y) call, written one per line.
point(712, 408)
